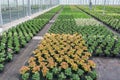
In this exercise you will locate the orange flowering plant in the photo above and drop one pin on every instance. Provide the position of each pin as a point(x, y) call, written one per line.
point(61, 55)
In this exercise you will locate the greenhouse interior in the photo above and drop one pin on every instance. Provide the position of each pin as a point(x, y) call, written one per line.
point(59, 39)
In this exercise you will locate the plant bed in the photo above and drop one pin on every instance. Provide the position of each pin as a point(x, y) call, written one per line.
point(60, 57)
point(99, 40)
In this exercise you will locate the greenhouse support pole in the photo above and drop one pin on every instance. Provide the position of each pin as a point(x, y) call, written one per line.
point(23, 7)
point(90, 4)
point(9, 10)
point(39, 5)
point(17, 8)
point(104, 6)
point(1, 20)
point(29, 8)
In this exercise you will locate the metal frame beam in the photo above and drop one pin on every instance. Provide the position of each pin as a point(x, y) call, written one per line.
point(1, 19)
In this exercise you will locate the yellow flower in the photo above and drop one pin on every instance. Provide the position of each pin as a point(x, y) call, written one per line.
point(59, 59)
point(84, 48)
point(86, 67)
point(74, 66)
point(79, 51)
point(38, 55)
point(36, 51)
point(85, 57)
point(88, 54)
point(81, 61)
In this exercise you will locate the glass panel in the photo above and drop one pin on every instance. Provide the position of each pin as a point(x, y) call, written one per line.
point(44, 4)
point(14, 9)
point(34, 6)
point(40, 5)
point(5, 11)
point(21, 9)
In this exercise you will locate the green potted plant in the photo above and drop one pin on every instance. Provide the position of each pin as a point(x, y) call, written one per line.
point(36, 76)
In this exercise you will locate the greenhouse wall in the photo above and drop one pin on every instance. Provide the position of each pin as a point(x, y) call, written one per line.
point(85, 2)
point(11, 10)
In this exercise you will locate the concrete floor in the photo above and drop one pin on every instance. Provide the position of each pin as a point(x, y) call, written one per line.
point(107, 68)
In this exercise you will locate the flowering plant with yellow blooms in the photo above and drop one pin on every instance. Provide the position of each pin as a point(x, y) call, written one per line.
point(60, 55)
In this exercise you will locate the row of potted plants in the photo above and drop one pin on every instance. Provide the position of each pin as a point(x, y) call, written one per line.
point(71, 10)
point(17, 37)
point(100, 41)
point(61, 57)
point(111, 16)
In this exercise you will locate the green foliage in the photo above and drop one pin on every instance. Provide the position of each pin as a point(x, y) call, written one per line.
point(61, 76)
point(2, 57)
point(75, 77)
point(36, 76)
point(9, 57)
point(68, 72)
point(49, 75)
point(25, 76)
point(88, 78)
point(80, 72)
point(56, 70)
point(1, 67)
point(93, 74)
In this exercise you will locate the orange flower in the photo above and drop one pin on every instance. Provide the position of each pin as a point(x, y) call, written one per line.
point(32, 64)
point(31, 59)
point(40, 59)
point(45, 70)
point(42, 64)
point(91, 63)
point(64, 65)
point(36, 69)
point(24, 69)
point(51, 64)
